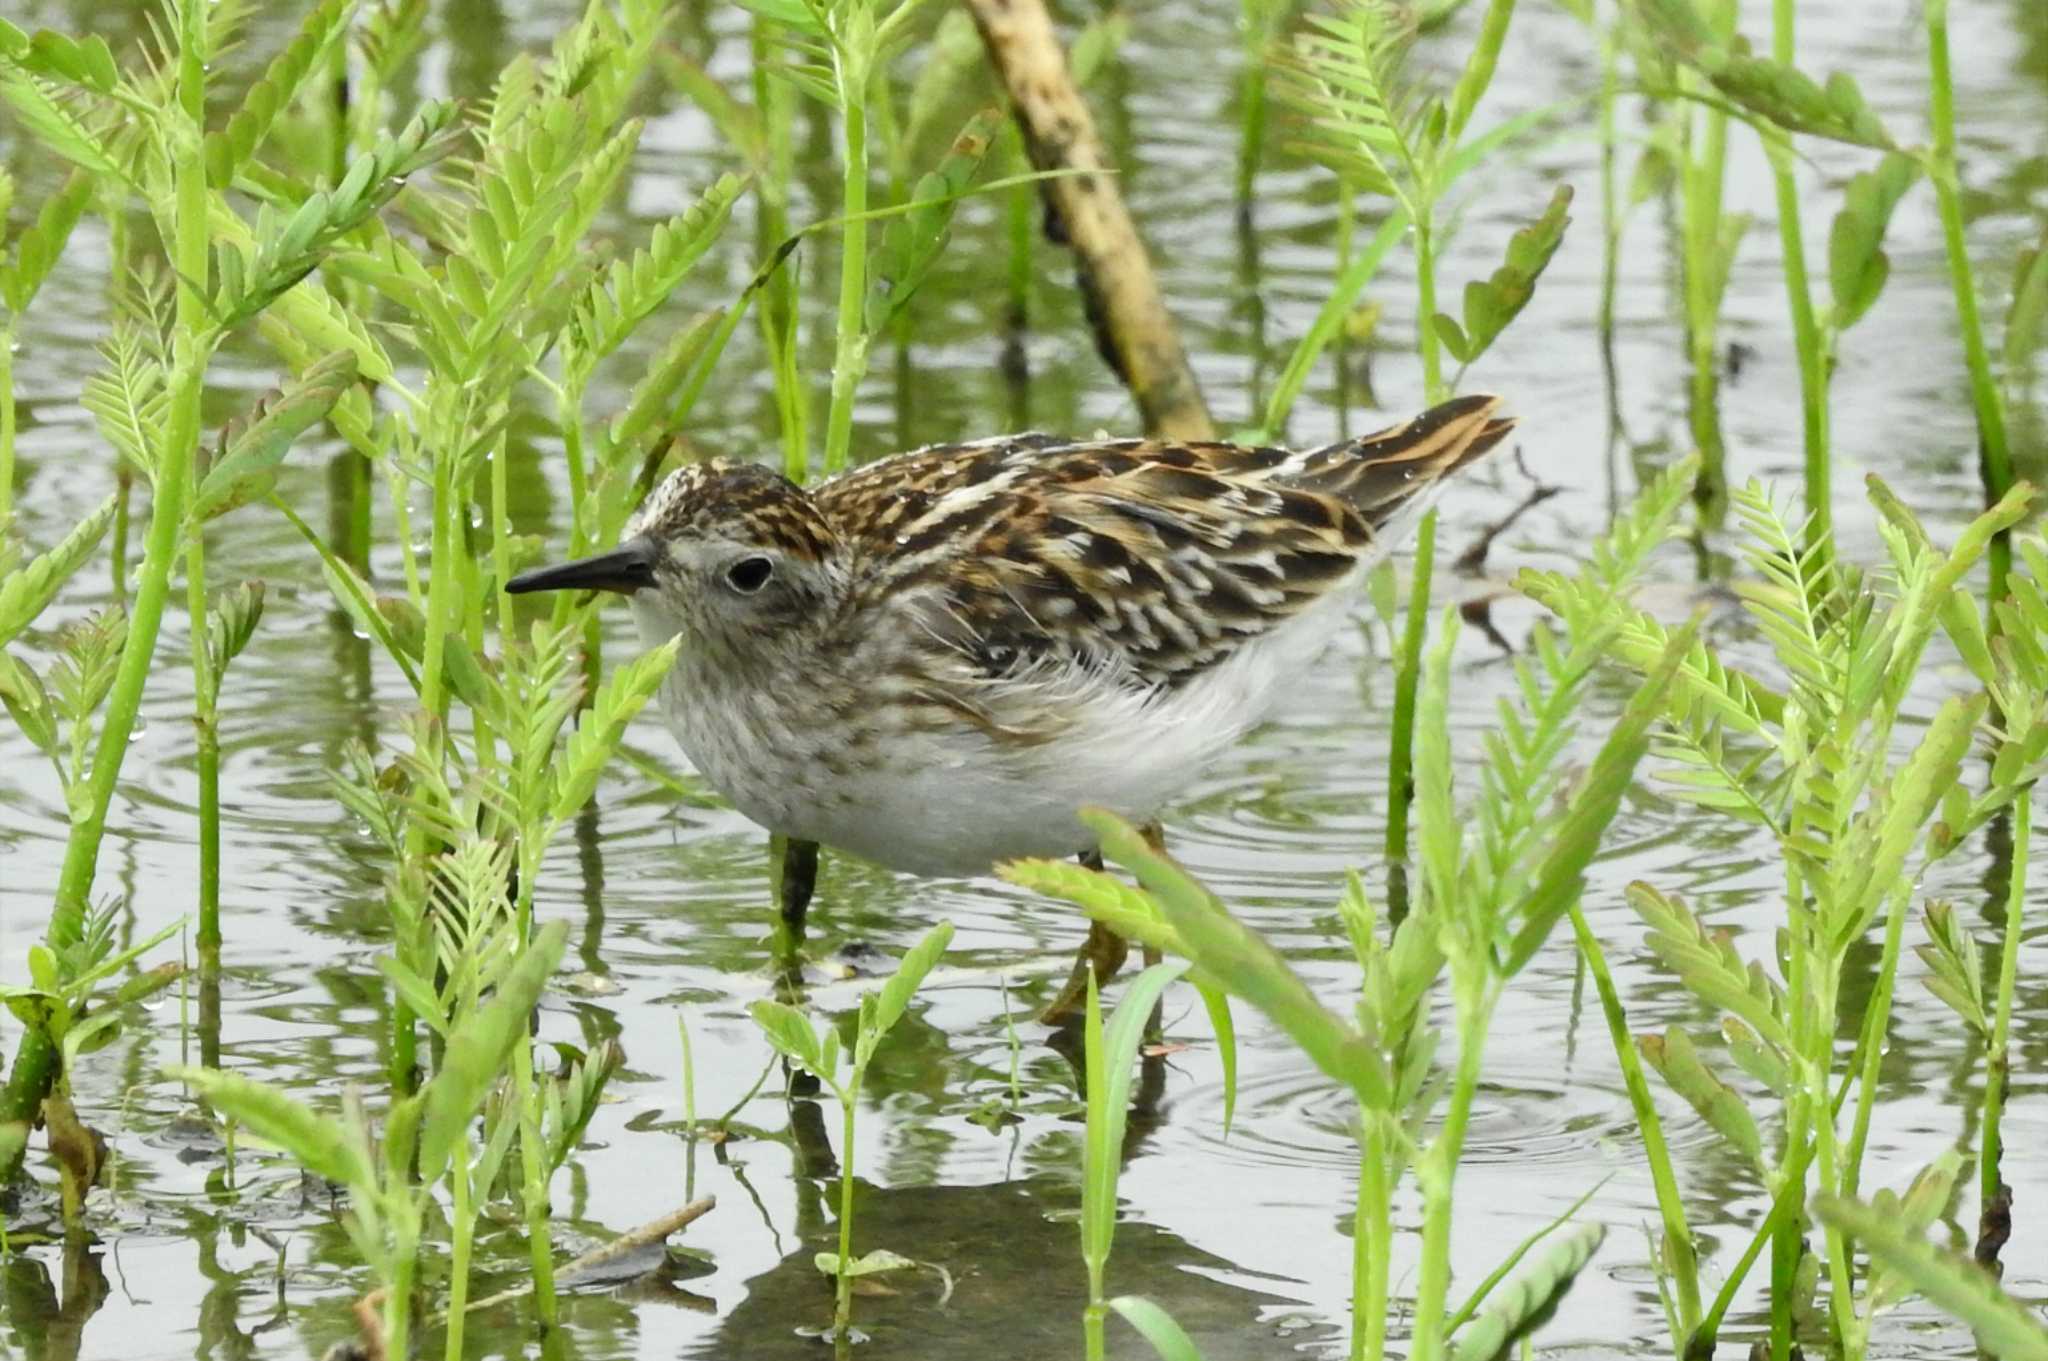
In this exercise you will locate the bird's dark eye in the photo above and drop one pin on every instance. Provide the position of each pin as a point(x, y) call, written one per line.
point(749, 575)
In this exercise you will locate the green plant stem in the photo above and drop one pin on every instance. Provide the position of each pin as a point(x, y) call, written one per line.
point(7, 422)
point(1356, 273)
point(1610, 198)
point(1256, 19)
point(540, 1246)
point(461, 1237)
point(1670, 1204)
point(1785, 1214)
point(1998, 1059)
point(1827, 1151)
point(689, 1107)
point(117, 540)
point(1943, 172)
point(1806, 330)
point(842, 1298)
point(405, 1254)
point(191, 237)
point(1435, 1176)
point(35, 1063)
point(1371, 1236)
point(1876, 1021)
point(1426, 339)
point(850, 352)
point(1401, 759)
point(1407, 676)
point(440, 620)
point(1702, 181)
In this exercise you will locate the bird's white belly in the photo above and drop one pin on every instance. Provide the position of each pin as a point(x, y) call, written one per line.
point(956, 802)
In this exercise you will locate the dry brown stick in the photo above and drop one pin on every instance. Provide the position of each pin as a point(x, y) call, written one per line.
point(1132, 324)
point(652, 1232)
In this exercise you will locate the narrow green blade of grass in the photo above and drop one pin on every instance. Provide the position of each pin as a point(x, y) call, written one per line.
point(1217, 1003)
point(1112, 1052)
point(1242, 961)
point(1157, 1326)
point(1527, 1299)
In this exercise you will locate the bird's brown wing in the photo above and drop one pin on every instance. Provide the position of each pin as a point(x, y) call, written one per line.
point(1153, 559)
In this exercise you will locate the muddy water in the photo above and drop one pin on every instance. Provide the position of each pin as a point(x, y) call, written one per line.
point(1245, 1237)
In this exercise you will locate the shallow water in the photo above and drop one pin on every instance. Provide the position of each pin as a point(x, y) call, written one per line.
point(1244, 1238)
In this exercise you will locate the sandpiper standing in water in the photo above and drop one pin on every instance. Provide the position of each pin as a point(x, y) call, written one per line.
point(935, 660)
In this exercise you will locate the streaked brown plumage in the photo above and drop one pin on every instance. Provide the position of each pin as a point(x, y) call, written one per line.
point(934, 660)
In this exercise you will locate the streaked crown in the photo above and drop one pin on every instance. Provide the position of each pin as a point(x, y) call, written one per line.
point(737, 503)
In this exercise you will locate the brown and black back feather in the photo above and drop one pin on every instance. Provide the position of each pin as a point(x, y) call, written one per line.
point(1154, 559)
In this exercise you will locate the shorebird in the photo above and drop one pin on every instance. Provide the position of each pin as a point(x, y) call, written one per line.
point(934, 661)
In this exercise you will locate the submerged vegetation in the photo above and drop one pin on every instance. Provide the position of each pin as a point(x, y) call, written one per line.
point(433, 288)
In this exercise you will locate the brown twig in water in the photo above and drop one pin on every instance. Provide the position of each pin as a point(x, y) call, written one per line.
point(1132, 326)
point(1472, 561)
point(651, 1232)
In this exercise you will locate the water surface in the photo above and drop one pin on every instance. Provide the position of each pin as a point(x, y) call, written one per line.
point(1244, 1237)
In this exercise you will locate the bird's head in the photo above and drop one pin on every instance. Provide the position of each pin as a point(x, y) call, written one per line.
point(732, 555)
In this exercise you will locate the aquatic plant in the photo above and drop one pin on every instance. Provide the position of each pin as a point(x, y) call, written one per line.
point(392, 1172)
point(144, 132)
point(1109, 1054)
point(1811, 765)
point(798, 1041)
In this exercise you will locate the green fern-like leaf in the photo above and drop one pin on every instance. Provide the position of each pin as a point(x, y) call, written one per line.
point(1344, 78)
point(77, 127)
point(627, 293)
point(27, 589)
point(128, 397)
point(1707, 963)
point(604, 725)
point(36, 247)
point(236, 144)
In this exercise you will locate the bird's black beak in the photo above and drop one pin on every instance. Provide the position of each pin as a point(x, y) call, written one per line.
point(625, 569)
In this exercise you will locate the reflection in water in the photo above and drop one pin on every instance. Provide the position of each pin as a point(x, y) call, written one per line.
point(999, 1274)
point(45, 1322)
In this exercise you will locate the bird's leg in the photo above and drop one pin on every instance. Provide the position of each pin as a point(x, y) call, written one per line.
point(1155, 1026)
point(1103, 953)
point(793, 868)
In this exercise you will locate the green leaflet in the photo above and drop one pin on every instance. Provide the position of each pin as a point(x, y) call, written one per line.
point(1492, 303)
point(1857, 264)
point(914, 240)
point(624, 694)
point(232, 147)
point(1679, 1064)
point(244, 464)
point(323, 1145)
point(35, 248)
point(26, 590)
point(1157, 1327)
point(880, 1016)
